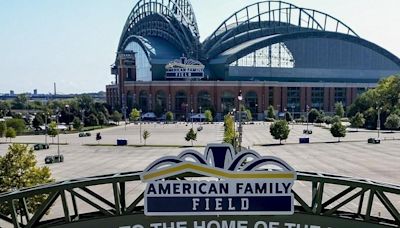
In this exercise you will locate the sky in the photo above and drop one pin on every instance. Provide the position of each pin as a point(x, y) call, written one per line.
point(73, 42)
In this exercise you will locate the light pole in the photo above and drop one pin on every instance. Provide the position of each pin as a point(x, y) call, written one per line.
point(140, 125)
point(58, 133)
point(201, 120)
point(191, 116)
point(45, 128)
point(256, 114)
point(234, 128)
point(240, 129)
point(307, 111)
point(378, 123)
point(292, 115)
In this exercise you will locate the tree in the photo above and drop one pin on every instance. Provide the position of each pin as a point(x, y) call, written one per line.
point(338, 130)
point(271, 112)
point(392, 122)
point(357, 121)
point(20, 102)
point(53, 130)
point(169, 116)
point(10, 133)
point(280, 130)
point(3, 128)
point(313, 115)
point(135, 114)
point(116, 117)
point(208, 116)
point(19, 170)
point(92, 120)
point(339, 110)
point(336, 119)
point(17, 124)
point(102, 118)
point(146, 135)
point(191, 136)
point(229, 130)
point(249, 116)
point(76, 123)
point(37, 121)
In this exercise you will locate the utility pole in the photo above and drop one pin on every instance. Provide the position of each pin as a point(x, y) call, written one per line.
point(240, 98)
point(378, 124)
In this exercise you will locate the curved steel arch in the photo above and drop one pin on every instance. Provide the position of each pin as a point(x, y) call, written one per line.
point(180, 11)
point(278, 38)
point(329, 195)
point(156, 17)
point(226, 30)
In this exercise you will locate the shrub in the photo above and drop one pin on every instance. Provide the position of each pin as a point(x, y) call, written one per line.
point(280, 130)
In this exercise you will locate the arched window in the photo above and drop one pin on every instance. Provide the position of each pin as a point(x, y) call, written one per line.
point(181, 102)
point(160, 105)
point(227, 102)
point(143, 101)
point(204, 100)
point(129, 100)
point(250, 100)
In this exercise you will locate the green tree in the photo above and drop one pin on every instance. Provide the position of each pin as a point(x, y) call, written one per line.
point(191, 136)
point(249, 116)
point(338, 130)
point(336, 119)
point(53, 130)
point(3, 128)
point(116, 116)
point(20, 102)
point(328, 120)
point(146, 135)
point(169, 116)
point(229, 130)
point(10, 133)
point(280, 130)
point(313, 115)
point(135, 114)
point(392, 122)
point(37, 121)
point(17, 124)
point(208, 116)
point(92, 120)
point(102, 118)
point(76, 123)
point(357, 121)
point(339, 110)
point(19, 170)
point(271, 112)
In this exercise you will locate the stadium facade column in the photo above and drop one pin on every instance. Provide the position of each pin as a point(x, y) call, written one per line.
point(331, 99)
point(303, 98)
point(278, 98)
point(308, 96)
point(349, 96)
point(284, 97)
point(326, 99)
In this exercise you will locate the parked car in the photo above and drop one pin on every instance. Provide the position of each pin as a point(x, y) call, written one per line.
point(54, 159)
point(84, 134)
point(200, 128)
point(374, 141)
point(41, 146)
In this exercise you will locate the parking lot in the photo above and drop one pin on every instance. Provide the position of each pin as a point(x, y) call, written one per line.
point(352, 157)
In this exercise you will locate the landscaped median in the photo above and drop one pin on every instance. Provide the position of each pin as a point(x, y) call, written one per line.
point(137, 145)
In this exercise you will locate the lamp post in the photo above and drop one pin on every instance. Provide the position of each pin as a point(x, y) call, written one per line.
point(234, 128)
point(83, 117)
point(307, 112)
point(140, 125)
point(191, 116)
point(240, 129)
point(378, 123)
point(292, 115)
point(45, 127)
point(256, 114)
point(201, 120)
point(58, 135)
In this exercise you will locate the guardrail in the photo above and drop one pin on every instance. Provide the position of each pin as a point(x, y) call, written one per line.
point(315, 194)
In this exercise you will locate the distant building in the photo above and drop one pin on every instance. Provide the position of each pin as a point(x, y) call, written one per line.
point(276, 53)
point(12, 93)
point(35, 92)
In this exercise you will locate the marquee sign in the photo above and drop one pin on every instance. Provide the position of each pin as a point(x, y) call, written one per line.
point(241, 184)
